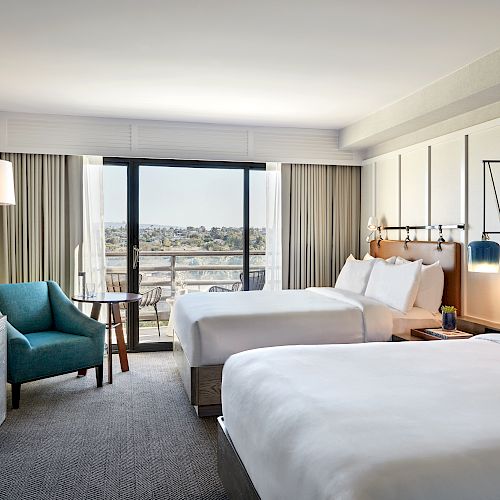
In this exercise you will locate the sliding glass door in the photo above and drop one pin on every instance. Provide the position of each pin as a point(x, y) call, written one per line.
point(116, 231)
point(192, 227)
point(257, 219)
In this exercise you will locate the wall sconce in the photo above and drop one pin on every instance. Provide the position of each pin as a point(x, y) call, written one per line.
point(372, 224)
point(372, 227)
point(484, 255)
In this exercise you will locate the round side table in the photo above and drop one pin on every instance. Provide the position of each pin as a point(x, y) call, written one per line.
point(113, 300)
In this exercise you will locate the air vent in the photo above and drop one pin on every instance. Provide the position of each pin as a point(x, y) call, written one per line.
point(69, 136)
point(190, 141)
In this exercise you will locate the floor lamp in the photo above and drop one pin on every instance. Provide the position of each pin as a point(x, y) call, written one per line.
point(7, 194)
point(7, 197)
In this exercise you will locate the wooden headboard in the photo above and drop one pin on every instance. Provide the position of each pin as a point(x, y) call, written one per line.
point(450, 258)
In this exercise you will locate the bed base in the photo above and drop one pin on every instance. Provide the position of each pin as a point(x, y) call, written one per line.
point(232, 472)
point(202, 383)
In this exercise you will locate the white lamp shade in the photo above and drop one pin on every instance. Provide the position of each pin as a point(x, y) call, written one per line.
point(7, 194)
point(372, 223)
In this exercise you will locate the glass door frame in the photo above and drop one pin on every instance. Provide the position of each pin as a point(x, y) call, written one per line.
point(133, 187)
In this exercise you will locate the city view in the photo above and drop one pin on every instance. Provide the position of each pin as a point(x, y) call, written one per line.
point(159, 237)
point(159, 245)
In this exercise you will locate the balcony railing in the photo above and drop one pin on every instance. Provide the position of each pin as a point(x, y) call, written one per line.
point(186, 267)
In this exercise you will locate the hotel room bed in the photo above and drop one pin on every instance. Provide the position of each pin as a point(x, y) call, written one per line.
point(382, 421)
point(212, 328)
point(208, 328)
point(207, 332)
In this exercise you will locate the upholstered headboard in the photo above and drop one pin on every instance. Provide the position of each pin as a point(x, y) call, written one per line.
point(450, 258)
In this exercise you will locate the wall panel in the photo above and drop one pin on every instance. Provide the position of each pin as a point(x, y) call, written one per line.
point(446, 185)
point(451, 192)
point(367, 203)
point(387, 192)
point(414, 192)
point(483, 289)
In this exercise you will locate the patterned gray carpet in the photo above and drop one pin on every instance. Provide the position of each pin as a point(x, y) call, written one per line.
point(136, 439)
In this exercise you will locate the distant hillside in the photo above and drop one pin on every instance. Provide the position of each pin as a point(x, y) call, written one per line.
point(159, 237)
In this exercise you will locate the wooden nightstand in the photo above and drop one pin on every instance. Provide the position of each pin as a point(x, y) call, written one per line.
point(477, 326)
point(464, 323)
point(406, 337)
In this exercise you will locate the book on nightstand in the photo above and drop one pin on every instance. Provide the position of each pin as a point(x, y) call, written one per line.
point(439, 333)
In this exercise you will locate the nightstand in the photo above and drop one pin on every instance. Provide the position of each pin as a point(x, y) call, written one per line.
point(464, 323)
point(406, 337)
point(477, 326)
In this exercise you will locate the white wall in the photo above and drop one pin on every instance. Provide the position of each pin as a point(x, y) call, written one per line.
point(56, 134)
point(440, 181)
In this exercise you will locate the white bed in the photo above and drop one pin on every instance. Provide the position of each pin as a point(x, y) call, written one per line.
point(371, 301)
point(380, 421)
point(212, 327)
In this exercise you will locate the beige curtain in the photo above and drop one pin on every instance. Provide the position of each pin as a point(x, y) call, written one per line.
point(36, 234)
point(320, 220)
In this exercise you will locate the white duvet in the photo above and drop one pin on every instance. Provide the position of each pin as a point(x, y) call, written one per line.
point(213, 326)
point(383, 421)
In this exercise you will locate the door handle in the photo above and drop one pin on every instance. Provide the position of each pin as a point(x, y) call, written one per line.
point(136, 254)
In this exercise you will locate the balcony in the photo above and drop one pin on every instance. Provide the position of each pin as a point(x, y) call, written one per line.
point(195, 270)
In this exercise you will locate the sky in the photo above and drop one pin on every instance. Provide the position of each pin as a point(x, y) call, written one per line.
point(186, 196)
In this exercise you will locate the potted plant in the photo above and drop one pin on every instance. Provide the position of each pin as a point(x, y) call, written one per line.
point(449, 317)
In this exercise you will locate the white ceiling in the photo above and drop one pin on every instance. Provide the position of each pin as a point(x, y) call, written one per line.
point(314, 63)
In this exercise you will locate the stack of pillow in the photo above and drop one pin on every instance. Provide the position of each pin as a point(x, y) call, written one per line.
point(396, 282)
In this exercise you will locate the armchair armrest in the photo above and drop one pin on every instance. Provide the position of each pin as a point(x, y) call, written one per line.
point(16, 341)
point(68, 318)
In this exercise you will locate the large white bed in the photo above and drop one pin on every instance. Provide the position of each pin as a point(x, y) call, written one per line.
point(212, 328)
point(382, 421)
point(208, 328)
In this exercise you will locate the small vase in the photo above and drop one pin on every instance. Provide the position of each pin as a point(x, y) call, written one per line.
point(449, 321)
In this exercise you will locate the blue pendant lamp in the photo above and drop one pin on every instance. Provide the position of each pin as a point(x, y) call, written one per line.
point(484, 255)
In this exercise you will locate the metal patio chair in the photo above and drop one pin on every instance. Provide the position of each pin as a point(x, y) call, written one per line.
point(256, 281)
point(117, 282)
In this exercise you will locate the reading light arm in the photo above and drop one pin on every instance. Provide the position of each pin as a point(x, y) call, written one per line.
point(484, 255)
point(430, 226)
point(407, 240)
point(488, 163)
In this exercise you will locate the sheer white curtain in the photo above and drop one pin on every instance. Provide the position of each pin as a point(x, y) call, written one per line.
point(93, 259)
point(273, 226)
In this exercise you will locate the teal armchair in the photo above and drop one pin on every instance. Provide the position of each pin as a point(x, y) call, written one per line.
point(47, 335)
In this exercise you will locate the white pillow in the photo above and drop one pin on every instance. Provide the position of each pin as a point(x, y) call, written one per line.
point(430, 291)
point(354, 275)
point(395, 286)
point(390, 260)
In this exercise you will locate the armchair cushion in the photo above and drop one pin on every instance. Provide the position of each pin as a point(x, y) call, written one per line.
point(27, 306)
point(53, 353)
